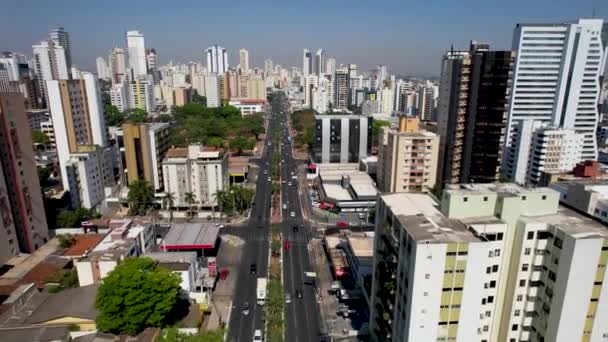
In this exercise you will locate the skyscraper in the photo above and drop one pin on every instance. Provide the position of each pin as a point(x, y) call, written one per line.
point(151, 59)
point(268, 67)
point(102, 68)
point(217, 59)
point(244, 60)
point(319, 62)
point(473, 96)
point(52, 61)
point(331, 66)
point(212, 90)
point(555, 81)
point(118, 66)
point(341, 89)
point(22, 212)
point(136, 49)
point(306, 63)
point(60, 37)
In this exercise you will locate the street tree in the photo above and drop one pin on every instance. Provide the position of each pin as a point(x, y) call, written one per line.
point(137, 294)
point(140, 197)
point(190, 198)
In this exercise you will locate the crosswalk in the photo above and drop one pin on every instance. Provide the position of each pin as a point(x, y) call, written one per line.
point(292, 238)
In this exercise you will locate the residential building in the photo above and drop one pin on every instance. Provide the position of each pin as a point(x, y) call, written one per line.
point(23, 219)
point(88, 172)
point(341, 138)
point(119, 96)
point(407, 157)
point(217, 59)
point(471, 118)
point(341, 89)
point(125, 239)
point(310, 82)
point(151, 60)
point(528, 269)
point(145, 146)
point(585, 195)
point(102, 69)
point(268, 67)
point(387, 99)
point(555, 81)
point(320, 100)
point(77, 116)
point(319, 62)
point(59, 37)
point(198, 170)
point(256, 89)
point(359, 254)
point(181, 96)
point(330, 68)
point(184, 264)
point(306, 63)
point(118, 66)
point(141, 95)
point(426, 99)
point(50, 63)
point(244, 61)
point(136, 49)
point(552, 150)
point(212, 90)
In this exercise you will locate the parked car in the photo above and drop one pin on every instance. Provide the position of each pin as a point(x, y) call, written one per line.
point(298, 294)
point(246, 309)
point(292, 214)
point(224, 272)
point(287, 298)
point(257, 335)
point(284, 206)
point(253, 268)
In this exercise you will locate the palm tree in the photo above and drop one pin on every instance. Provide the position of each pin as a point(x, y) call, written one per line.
point(190, 198)
point(168, 202)
point(220, 197)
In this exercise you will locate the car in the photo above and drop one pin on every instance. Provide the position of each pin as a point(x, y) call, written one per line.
point(257, 335)
point(298, 294)
point(265, 172)
point(361, 215)
point(284, 206)
point(295, 229)
point(287, 298)
point(246, 309)
point(253, 268)
point(289, 184)
point(292, 214)
point(269, 179)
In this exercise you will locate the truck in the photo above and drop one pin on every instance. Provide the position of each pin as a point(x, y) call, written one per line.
point(261, 291)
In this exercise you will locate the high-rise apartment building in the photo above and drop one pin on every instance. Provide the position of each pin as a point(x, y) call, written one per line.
point(555, 81)
point(136, 49)
point(217, 59)
point(51, 62)
point(268, 67)
point(310, 83)
point(306, 63)
point(145, 146)
point(330, 68)
point(60, 37)
point(407, 157)
point(78, 118)
point(319, 62)
point(381, 75)
point(119, 97)
point(212, 90)
point(141, 94)
point(102, 69)
point(426, 99)
point(244, 61)
point(22, 215)
point(198, 170)
point(118, 66)
point(341, 89)
point(493, 262)
point(341, 138)
point(151, 60)
point(471, 118)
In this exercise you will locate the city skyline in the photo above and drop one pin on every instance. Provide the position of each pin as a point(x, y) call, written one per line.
point(402, 37)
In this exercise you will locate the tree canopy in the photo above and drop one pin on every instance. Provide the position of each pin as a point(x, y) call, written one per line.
point(173, 335)
point(140, 197)
point(40, 138)
point(137, 294)
point(73, 218)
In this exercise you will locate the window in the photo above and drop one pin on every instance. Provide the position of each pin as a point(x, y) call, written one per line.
point(522, 282)
point(514, 327)
point(517, 313)
point(492, 284)
point(527, 251)
point(490, 299)
point(427, 276)
point(520, 298)
point(544, 197)
point(465, 199)
point(530, 235)
point(523, 198)
point(495, 268)
point(525, 267)
point(485, 198)
point(488, 270)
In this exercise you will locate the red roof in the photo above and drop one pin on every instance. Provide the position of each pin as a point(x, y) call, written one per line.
point(82, 243)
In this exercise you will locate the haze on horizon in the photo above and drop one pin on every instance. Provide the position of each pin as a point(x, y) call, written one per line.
point(409, 37)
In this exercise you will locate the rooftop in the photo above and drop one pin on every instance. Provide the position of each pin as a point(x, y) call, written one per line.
point(82, 244)
point(502, 189)
point(339, 116)
point(191, 236)
point(362, 246)
point(572, 223)
point(181, 257)
point(419, 214)
point(360, 185)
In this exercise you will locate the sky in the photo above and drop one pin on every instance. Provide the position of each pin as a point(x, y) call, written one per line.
point(408, 36)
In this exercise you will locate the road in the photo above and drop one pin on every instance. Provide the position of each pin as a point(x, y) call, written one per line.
point(301, 316)
point(255, 251)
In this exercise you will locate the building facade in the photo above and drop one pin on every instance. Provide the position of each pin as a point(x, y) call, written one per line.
point(407, 158)
point(341, 138)
point(217, 59)
point(136, 49)
point(21, 208)
point(471, 115)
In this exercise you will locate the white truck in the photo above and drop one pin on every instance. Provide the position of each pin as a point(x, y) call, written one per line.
point(261, 291)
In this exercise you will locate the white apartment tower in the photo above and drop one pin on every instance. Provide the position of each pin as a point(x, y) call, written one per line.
point(212, 90)
point(555, 81)
point(136, 49)
point(330, 68)
point(119, 96)
point(102, 69)
point(306, 62)
point(244, 60)
point(118, 66)
point(60, 37)
point(341, 89)
point(319, 62)
point(217, 59)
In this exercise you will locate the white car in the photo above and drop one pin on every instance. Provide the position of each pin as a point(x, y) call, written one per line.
point(257, 335)
point(292, 214)
point(269, 179)
point(289, 184)
point(284, 206)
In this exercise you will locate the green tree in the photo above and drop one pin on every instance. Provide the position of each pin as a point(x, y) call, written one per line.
point(173, 335)
point(241, 144)
point(140, 197)
point(164, 118)
point(39, 138)
point(137, 294)
point(44, 175)
point(190, 198)
point(196, 98)
point(376, 128)
point(66, 240)
point(72, 218)
point(136, 115)
point(168, 201)
point(216, 142)
point(113, 116)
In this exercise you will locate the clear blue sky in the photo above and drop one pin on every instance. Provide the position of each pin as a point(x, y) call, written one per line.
point(409, 36)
